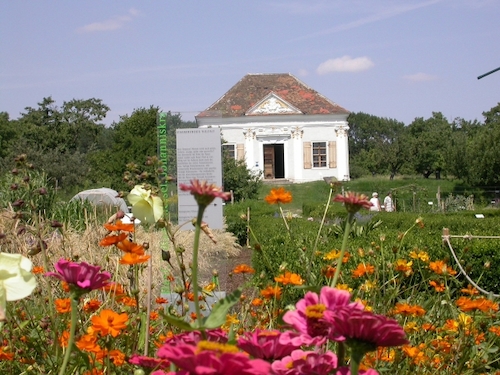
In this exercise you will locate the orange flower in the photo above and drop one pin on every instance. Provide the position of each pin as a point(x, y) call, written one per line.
point(115, 289)
point(65, 286)
point(363, 269)
point(161, 300)
point(279, 195)
point(193, 316)
point(119, 226)
point(37, 270)
point(116, 356)
point(5, 355)
point(63, 305)
point(470, 290)
point(408, 310)
point(243, 268)
point(289, 278)
point(88, 343)
point(130, 247)
point(441, 268)
point(482, 304)
point(271, 292)
point(154, 315)
point(63, 339)
point(495, 330)
point(113, 240)
point(109, 323)
point(91, 305)
point(127, 301)
point(328, 271)
point(257, 302)
point(131, 258)
point(437, 286)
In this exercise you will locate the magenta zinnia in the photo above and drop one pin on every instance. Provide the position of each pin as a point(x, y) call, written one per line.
point(272, 344)
point(353, 201)
point(203, 192)
point(310, 312)
point(370, 330)
point(301, 362)
point(213, 358)
point(84, 276)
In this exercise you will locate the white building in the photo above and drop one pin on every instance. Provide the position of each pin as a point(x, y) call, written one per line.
point(284, 128)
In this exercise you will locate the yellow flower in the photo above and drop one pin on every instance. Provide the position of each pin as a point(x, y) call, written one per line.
point(145, 206)
point(16, 280)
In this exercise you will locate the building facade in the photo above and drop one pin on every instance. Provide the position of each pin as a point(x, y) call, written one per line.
point(282, 127)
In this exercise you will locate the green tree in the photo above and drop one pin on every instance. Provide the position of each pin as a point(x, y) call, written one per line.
point(378, 145)
point(484, 161)
point(429, 144)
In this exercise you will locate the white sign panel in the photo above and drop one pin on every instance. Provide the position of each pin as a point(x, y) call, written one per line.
point(199, 157)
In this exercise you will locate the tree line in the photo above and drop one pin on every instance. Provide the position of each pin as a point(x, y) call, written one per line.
point(466, 150)
point(77, 151)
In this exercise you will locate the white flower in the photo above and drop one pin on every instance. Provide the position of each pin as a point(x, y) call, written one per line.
point(145, 206)
point(16, 279)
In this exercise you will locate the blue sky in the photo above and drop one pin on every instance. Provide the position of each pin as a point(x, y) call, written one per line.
point(394, 59)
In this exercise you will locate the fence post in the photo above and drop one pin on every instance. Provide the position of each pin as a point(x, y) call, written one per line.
point(248, 226)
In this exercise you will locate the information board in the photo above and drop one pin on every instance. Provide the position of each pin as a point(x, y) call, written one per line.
point(199, 157)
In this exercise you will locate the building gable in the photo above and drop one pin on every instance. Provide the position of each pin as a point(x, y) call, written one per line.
point(272, 104)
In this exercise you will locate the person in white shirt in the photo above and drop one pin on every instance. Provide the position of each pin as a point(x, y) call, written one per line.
point(375, 202)
point(388, 203)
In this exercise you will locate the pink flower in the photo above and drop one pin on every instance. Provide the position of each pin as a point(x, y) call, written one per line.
point(213, 358)
point(300, 362)
point(82, 275)
point(309, 316)
point(347, 371)
point(204, 193)
point(149, 362)
point(368, 329)
point(353, 201)
point(273, 344)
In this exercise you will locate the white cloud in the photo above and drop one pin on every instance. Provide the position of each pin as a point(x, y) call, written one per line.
point(420, 77)
point(345, 64)
point(113, 23)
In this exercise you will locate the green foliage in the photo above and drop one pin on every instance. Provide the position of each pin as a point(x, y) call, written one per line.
point(26, 191)
point(240, 180)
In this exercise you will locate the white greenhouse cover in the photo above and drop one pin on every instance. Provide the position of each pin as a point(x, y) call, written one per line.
point(103, 196)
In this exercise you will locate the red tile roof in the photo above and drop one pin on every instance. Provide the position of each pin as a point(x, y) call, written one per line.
point(252, 88)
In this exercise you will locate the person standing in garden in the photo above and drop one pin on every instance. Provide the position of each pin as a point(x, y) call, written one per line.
point(375, 202)
point(388, 203)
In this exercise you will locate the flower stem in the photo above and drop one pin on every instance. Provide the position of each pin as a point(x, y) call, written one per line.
point(284, 219)
point(71, 340)
point(356, 357)
point(196, 245)
point(347, 231)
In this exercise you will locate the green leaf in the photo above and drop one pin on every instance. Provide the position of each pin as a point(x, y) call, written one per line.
point(177, 322)
point(218, 314)
point(142, 333)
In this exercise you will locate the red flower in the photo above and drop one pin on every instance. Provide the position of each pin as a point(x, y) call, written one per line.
point(353, 201)
point(204, 193)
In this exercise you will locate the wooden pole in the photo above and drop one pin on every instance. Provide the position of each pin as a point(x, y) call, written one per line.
point(248, 226)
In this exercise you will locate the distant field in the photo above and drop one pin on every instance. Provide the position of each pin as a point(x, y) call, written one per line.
point(411, 191)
